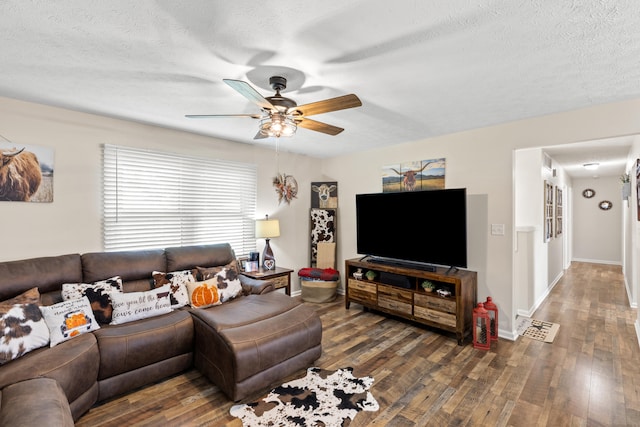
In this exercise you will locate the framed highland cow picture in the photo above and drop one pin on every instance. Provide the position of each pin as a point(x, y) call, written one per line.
point(26, 173)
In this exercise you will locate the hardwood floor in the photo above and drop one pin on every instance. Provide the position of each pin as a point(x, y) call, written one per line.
point(589, 376)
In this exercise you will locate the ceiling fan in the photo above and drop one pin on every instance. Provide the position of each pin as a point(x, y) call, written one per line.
point(281, 116)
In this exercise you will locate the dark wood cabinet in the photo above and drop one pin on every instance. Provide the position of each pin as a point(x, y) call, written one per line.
point(398, 290)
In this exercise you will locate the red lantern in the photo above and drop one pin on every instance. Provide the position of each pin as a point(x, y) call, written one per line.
point(481, 326)
point(493, 315)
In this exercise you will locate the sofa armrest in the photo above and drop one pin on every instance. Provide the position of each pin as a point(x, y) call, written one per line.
point(35, 402)
point(256, 286)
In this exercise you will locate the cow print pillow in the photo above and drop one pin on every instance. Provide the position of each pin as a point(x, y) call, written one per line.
point(178, 280)
point(98, 294)
point(22, 329)
point(206, 273)
point(32, 296)
point(228, 284)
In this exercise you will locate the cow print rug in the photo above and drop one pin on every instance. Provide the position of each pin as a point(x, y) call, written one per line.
point(322, 398)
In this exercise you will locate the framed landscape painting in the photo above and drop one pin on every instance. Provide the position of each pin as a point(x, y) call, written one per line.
point(414, 176)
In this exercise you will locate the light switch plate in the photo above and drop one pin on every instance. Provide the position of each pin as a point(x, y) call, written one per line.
point(497, 229)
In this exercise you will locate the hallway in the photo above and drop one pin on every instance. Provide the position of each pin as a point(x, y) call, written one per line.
point(592, 369)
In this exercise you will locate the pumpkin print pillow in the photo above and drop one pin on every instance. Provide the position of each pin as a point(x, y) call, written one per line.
point(68, 319)
point(203, 294)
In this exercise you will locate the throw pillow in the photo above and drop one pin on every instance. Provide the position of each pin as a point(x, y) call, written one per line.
point(22, 329)
point(204, 294)
point(206, 273)
point(68, 319)
point(99, 294)
point(228, 283)
point(130, 306)
point(32, 296)
point(178, 280)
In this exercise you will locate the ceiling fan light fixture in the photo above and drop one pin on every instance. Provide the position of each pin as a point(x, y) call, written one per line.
point(591, 166)
point(277, 125)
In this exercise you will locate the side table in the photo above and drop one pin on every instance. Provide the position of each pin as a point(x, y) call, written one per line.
point(281, 277)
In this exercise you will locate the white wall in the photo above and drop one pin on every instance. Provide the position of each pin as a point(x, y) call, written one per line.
point(480, 160)
point(597, 233)
point(543, 261)
point(72, 223)
point(631, 231)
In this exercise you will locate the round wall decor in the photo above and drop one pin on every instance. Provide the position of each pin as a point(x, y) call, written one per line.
point(605, 205)
point(286, 187)
point(588, 193)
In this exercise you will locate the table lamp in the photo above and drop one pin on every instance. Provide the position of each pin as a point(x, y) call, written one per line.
point(266, 229)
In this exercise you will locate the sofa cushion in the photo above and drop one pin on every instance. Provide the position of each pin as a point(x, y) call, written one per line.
point(74, 364)
point(99, 294)
point(51, 405)
point(184, 257)
point(131, 306)
point(247, 310)
point(134, 345)
point(46, 273)
point(130, 265)
point(178, 281)
point(69, 319)
point(22, 329)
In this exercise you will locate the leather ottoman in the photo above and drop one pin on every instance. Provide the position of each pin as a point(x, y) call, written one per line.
point(246, 350)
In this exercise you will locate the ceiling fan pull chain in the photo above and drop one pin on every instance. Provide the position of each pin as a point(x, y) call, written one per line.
point(277, 156)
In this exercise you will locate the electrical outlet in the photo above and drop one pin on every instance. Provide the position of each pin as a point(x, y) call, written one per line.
point(497, 229)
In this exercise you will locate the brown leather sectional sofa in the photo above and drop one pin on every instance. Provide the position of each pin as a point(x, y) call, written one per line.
point(243, 346)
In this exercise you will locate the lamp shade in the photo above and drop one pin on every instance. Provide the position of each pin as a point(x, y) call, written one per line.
point(267, 228)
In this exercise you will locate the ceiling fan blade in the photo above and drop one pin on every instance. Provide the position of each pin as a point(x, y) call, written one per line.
point(246, 90)
point(260, 135)
point(332, 104)
point(319, 126)
point(215, 116)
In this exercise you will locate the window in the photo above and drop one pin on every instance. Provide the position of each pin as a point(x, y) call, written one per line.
point(155, 200)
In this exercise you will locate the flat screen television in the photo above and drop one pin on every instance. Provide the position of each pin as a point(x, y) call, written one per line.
point(424, 228)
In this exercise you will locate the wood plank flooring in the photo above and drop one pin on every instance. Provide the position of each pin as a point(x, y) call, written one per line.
point(589, 376)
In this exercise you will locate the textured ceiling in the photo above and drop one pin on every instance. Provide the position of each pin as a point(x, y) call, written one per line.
point(421, 68)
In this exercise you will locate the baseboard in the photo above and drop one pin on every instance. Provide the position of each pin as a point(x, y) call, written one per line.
point(538, 303)
point(507, 335)
point(597, 261)
point(632, 304)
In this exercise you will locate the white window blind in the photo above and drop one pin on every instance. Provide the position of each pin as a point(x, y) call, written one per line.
point(155, 200)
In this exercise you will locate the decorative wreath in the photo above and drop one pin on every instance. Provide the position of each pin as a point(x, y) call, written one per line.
point(286, 187)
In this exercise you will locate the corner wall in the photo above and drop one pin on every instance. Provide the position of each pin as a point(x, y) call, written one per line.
point(482, 161)
point(72, 222)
